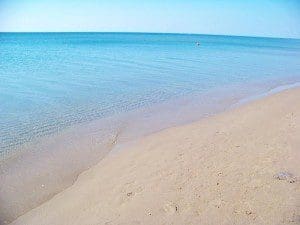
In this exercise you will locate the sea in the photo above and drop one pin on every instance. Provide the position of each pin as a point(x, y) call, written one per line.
point(140, 82)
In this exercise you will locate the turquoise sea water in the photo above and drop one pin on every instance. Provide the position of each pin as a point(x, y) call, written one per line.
point(50, 81)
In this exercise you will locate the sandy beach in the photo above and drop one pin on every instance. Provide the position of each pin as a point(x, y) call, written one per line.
point(238, 167)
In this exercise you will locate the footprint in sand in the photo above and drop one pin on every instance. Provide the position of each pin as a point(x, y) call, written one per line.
point(170, 208)
point(129, 191)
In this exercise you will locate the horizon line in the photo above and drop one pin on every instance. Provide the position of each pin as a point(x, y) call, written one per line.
point(141, 32)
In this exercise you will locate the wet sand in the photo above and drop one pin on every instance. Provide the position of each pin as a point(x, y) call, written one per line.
point(42, 168)
point(238, 167)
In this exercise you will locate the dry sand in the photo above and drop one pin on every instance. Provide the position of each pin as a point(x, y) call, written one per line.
point(221, 170)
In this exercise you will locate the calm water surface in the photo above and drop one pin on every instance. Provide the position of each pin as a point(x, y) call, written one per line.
point(50, 81)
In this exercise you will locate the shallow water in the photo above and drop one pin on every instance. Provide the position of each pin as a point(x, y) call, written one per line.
point(52, 81)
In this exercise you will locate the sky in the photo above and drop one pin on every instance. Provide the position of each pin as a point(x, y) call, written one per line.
point(269, 18)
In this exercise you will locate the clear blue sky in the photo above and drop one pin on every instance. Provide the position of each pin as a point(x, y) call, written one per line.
point(275, 18)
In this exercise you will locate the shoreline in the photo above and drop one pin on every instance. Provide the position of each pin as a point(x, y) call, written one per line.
point(114, 147)
point(205, 158)
point(233, 100)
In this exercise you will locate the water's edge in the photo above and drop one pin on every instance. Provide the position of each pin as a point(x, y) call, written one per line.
point(62, 147)
point(229, 100)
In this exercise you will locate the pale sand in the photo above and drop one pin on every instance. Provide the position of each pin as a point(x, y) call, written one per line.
point(220, 170)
